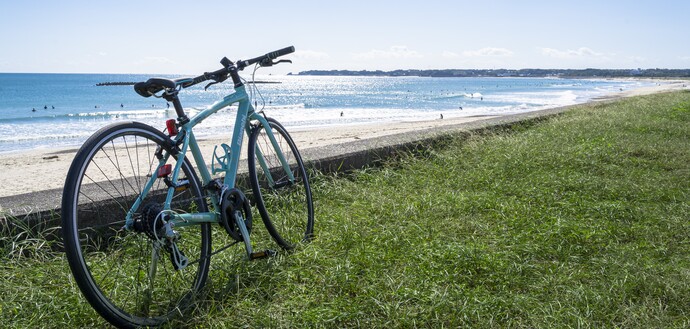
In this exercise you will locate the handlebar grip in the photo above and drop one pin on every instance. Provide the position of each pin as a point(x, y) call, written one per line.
point(281, 52)
point(270, 56)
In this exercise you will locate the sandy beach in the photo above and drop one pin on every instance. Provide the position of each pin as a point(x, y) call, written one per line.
point(44, 169)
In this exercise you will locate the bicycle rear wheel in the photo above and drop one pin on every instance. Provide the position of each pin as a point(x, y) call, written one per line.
point(126, 277)
point(289, 202)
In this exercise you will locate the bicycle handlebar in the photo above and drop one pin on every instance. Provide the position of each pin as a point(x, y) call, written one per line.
point(222, 74)
point(155, 85)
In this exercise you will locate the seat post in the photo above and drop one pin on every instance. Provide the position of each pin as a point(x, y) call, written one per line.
point(181, 116)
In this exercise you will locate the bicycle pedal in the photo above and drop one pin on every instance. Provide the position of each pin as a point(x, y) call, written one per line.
point(262, 254)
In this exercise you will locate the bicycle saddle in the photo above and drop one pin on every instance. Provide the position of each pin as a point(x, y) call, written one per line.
point(153, 85)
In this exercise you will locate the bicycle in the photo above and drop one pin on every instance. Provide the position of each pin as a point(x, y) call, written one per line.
point(132, 197)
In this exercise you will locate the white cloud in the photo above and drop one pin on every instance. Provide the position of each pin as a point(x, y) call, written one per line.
point(488, 52)
point(569, 53)
point(393, 52)
point(311, 54)
point(684, 58)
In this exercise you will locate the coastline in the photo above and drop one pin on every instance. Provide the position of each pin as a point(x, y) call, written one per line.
point(45, 169)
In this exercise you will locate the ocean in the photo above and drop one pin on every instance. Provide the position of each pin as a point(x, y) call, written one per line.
point(63, 110)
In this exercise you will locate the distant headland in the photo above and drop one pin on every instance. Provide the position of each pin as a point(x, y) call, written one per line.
point(531, 73)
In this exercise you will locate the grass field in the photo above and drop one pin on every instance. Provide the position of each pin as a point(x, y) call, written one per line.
point(582, 220)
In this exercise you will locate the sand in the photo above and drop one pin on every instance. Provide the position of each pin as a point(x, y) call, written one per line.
point(44, 169)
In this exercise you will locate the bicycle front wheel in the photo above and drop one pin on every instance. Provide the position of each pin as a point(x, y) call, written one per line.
point(124, 274)
point(284, 194)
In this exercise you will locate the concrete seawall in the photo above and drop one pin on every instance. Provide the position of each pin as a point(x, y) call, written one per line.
point(41, 210)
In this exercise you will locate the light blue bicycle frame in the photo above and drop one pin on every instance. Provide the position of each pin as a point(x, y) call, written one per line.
point(245, 114)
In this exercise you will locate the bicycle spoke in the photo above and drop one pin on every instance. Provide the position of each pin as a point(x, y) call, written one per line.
point(123, 179)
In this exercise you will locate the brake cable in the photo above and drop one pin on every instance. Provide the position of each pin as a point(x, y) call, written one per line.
point(255, 88)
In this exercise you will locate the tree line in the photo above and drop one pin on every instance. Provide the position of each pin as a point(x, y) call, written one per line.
point(563, 73)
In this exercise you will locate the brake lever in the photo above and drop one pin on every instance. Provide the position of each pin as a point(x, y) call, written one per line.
point(219, 80)
point(267, 62)
point(210, 84)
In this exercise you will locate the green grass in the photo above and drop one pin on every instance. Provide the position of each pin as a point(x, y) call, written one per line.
point(582, 220)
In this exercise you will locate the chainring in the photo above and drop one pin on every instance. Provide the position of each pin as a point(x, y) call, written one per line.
point(234, 202)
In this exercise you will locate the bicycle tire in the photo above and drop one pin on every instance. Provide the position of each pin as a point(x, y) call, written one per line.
point(291, 205)
point(112, 266)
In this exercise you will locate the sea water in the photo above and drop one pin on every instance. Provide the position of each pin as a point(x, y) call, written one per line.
point(61, 110)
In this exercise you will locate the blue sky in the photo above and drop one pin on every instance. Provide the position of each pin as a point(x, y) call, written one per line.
point(190, 37)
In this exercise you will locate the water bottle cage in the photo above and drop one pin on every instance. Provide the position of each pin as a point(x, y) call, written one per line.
point(219, 163)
